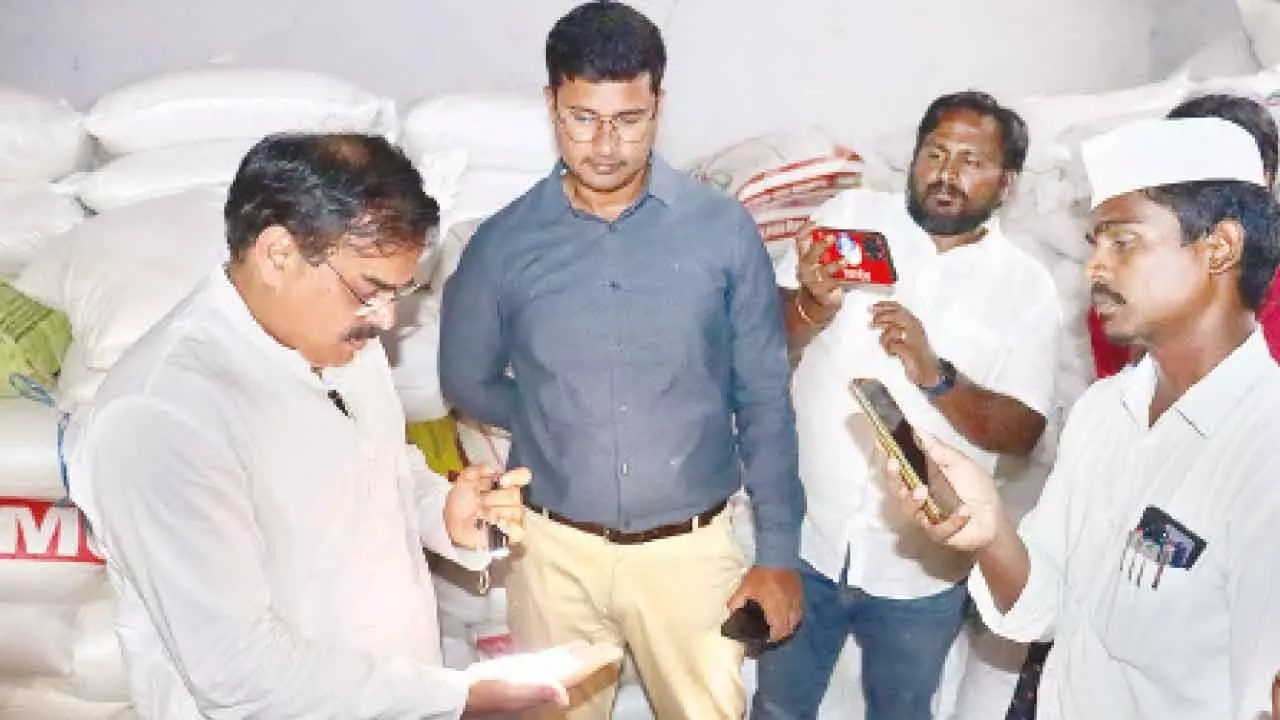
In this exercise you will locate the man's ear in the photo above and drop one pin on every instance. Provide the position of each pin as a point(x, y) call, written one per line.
point(1007, 179)
point(549, 94)
point(273, 250)
point(1224, 246)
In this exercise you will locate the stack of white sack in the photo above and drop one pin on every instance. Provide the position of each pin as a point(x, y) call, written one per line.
point(781, 179)
point(117, 274)
point(190, 129)
point(477, 153)
point(58, 651)
point(41, 141)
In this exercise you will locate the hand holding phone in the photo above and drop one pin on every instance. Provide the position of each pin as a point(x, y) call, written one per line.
point(748, 625)
point(859, 255)
point(896, 437)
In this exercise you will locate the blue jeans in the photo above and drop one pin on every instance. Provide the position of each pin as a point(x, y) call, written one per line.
point(903, 642)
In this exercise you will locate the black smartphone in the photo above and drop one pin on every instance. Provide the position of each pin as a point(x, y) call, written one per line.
point(898, 440)
point(747, 624)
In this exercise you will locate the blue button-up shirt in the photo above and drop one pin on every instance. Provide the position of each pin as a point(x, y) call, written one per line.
point(640, 365)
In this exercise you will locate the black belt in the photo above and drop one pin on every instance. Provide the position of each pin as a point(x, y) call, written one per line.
point(634, 538)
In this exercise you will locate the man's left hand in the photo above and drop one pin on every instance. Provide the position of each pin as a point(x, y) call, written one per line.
point(779, 594)
point(481, 493)
point(903, 336)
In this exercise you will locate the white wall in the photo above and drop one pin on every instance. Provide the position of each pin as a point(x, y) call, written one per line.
point(737, 67)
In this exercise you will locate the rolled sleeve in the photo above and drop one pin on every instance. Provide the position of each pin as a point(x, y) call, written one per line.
point(1034, 615)
point(764, 415)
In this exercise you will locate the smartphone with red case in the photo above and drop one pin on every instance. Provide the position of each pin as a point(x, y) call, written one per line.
point(863, 255)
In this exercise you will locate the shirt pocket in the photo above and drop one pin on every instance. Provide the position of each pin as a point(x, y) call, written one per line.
point(1151, 627)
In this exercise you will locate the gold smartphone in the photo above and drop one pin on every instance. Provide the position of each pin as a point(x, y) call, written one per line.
point(895, 435)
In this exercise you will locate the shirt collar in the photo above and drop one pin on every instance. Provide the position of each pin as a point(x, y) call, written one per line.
point(227, 300)
point(661, 184)
point(1206, 404)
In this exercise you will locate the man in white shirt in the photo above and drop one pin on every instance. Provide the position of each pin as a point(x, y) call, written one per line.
point(1150, 558)
point(964, 341)
point(246, 470)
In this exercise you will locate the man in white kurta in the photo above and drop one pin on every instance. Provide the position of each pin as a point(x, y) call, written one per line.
point(246, 470)
point(1189, 432)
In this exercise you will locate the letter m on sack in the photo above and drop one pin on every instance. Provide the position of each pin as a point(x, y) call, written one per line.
point(42, 531)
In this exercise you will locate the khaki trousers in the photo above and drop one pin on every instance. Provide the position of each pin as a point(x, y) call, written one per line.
point(664, 600)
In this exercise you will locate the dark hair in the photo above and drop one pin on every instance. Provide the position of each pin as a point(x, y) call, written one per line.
point(1013, 130)
point(1201, 205)
point(604, 41)
point(327, 189)
point(1248, 114)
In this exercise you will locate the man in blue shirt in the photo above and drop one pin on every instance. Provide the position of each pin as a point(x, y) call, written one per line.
point(622, 322)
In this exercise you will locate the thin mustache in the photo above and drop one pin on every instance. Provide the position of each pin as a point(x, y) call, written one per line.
point(939, 186)
point(1101, 292)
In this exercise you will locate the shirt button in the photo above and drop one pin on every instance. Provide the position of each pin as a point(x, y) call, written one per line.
point(624, 470)
point(622, 408)
point(615, 285)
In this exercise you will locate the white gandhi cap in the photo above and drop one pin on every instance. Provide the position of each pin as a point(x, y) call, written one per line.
point(1151, 153)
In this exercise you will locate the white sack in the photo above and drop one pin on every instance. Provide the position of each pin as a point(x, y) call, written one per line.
point(782, 179)
point(1226, 55)
point(1261, 20)
point(32, 214)
point(230, 103)
point(46, 554)
point(132, 178)
point(497, 131)
point(77, 383)
point(29, 466)
point(97, 669)
point(413, 350)
point(37, 701)
point(35, 639)
point(118, 273)
point(40, 139)
point(449, 253)
point(481, 193)
point(1048, 117)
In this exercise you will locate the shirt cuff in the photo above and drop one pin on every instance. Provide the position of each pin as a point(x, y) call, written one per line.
point(444, 688)
point(1032, 617)
point(778, 550)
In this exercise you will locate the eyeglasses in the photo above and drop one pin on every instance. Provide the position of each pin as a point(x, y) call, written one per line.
point(377, 303)
point(584, 126)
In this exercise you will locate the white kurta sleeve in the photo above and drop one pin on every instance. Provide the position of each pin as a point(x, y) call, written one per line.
point(178, 525)
point(430, 491)
point(1044, 531)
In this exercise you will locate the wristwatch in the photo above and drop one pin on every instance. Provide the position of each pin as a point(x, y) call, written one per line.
point(946, 379)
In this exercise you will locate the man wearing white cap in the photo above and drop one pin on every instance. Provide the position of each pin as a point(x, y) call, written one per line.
point(1150, 558)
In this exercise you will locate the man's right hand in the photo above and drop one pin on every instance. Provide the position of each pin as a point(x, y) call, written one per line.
point(977, 520)
point(526, 680)
point(816, 279)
